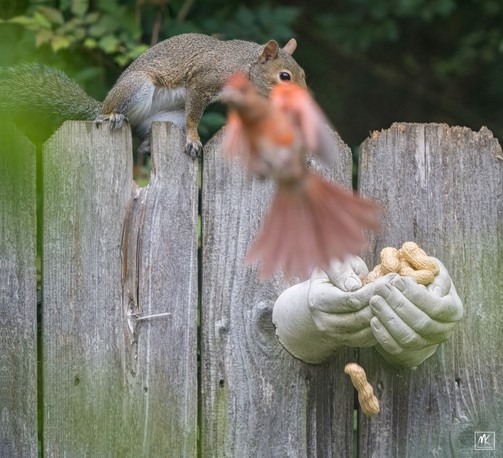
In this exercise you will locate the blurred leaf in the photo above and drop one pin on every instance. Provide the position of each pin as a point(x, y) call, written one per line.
point(109, 43)
point(53, 15)
point(122, 61)
point(90, 43)
point(109, 6)
point(73, 23)
point(41, 20)
point(79, 7)
point(104, 25)
point(65, 5)
point(43, 37)
point(91, 18)
point(22, 20)
point(59, 42)
point(90, 73)
point(97, 30)
point(136, 51)
point(78, 34)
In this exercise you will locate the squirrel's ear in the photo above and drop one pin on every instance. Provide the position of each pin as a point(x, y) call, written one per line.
point(291, 46)
point(271, 49)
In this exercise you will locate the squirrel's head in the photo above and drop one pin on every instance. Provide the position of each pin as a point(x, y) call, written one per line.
point(275, 65)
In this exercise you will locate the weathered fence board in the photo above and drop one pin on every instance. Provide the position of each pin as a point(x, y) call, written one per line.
point(257, 400)
point(168, 283)
point(18, 303)
point(87, 187)
point(115, 385)
point(441, 187)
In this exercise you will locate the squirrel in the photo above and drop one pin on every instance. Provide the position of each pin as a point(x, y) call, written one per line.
point(175, 80)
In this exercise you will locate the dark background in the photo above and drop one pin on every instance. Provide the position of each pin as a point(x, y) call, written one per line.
point(369, 62)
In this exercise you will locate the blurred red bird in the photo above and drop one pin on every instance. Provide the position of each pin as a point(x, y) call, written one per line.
point(311, 221)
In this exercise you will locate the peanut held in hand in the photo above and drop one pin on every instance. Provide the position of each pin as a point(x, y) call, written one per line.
point(311, 221)
point(408, 261)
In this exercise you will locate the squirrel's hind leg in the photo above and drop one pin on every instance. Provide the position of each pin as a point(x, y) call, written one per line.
point(177, 117)
point(137, 98)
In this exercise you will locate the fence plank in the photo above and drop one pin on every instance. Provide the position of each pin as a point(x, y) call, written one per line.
point(117, 385)
point(87, 188)
point(442, 187)
point(18, 302)
point(257, 400)
point(168, 283)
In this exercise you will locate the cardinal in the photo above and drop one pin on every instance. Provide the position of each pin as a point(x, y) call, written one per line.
point(311, 221)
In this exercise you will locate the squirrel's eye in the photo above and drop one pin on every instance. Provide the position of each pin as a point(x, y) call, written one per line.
point(285, 76)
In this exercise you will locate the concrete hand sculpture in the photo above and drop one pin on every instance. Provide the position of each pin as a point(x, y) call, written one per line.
point(404, 320)
point(411, 320)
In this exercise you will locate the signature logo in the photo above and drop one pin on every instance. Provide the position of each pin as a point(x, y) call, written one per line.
point(485, 440)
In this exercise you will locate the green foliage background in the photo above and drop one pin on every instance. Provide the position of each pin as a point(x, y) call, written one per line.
point(368, 62)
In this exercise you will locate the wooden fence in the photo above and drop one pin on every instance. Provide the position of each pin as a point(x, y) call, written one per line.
point(210, 379)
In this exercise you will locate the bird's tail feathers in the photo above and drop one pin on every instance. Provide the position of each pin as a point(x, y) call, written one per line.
point(310, 226)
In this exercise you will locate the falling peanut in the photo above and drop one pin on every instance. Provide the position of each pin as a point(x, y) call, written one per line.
point(366, 397)
point(408, 261)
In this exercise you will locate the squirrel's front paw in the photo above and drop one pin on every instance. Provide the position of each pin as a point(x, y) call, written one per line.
point(193, 149)
point(116, 120)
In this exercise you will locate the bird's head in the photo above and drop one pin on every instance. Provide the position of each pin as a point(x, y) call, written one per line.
point(237, 91)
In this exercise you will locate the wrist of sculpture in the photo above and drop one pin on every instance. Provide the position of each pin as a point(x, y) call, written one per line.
point(296, 329)
point(407, 359)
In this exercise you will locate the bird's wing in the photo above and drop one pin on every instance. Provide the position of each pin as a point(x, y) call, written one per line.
point(236, 142)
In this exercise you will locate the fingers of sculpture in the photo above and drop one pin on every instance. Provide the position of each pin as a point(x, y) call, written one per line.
point(411, 317)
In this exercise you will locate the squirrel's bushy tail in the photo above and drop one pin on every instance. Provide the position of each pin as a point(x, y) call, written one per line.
point(310, 226)
point(45, 92)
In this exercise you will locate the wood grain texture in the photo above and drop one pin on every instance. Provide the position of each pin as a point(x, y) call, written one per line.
point(18, 301)
point(443, 188)
point(116, 385)
point(256, 399)
point(87, 189)
point(168, 282)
